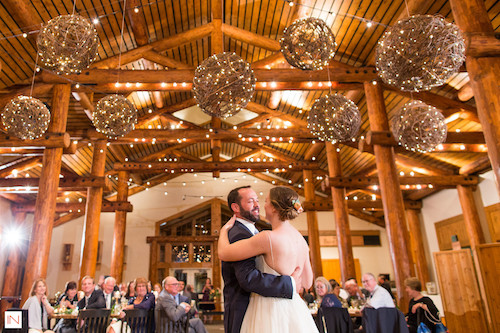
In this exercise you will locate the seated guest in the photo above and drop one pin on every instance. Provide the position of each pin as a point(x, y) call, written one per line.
point(383, 282)
point(379, 297)
point(38, 307)
point(174, 307)
point(142, 300)
point(355, 293)
point(324, 294)
point(94, 298)
point(184, 292)
point(108, 290)
point(68, 300)
point(341, 292)
point(419, 304)
point(130, 290)
point(306, 296)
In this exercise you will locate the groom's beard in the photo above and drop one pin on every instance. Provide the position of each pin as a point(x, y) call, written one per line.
point(252, 215)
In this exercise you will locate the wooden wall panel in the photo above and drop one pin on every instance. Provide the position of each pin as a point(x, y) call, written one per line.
point(487, 257)
point(331, 269)
point(493, 217)
point(449, 227)
point(463, 307)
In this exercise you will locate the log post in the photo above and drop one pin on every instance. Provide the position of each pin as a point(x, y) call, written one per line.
point(90, 236)
point(217, 222)
point(417, 245)
point(484, 74)
point(312, 225)
point(471, 216)
point(117, 251)
point(38, 253)
point(14, 266)
point(392, 198)
point(346, 257)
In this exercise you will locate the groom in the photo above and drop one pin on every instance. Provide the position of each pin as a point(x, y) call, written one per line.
point(242, 277)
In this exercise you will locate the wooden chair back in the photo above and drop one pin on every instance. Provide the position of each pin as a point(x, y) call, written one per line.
point(93, 320)
point(138, 321)
point(165, 325)
point(332, 320)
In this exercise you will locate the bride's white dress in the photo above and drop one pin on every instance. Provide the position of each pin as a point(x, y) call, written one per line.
point(276, 315)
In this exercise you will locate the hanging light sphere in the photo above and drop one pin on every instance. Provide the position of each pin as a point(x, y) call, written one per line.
point(334, 118)
point(223, 84)
point(308, 44)
point(419, 127)
point(114, 116)
point(26, 118)
point(420, 52)
point(67, 44)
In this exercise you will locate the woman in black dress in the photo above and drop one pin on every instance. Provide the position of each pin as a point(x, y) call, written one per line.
point(69, 300)
point(421, 308)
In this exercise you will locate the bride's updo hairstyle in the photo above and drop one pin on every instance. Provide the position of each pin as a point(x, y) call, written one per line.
point(286, 202)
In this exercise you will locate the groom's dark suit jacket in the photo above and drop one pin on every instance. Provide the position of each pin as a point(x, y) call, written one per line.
point(241, 278)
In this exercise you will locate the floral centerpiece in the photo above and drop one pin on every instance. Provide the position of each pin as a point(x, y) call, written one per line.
point(214, 294)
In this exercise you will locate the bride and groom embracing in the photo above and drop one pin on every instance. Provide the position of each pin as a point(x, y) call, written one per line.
point(263, 273)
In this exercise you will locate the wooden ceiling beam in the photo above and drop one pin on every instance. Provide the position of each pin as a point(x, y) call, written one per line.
point(214, 166)
point(418, 164)
point(41, 89)
point(21, 164)
point(169, 109)
point(35, 151)
point(186, 156)
point(156, 180)
point(48, 140)
point(367, 217)
point(107, 207)
point(270, 151)
point(260, 109)
point(66, 183)
point(327, 205)
point(135, 14)
point(67, 218)
point(25, 16)
point(246, 155)
point(480, 165)
point(162, 153)
point(465, 93)
point(441, 181)
point(251, 38)
point(108, 76)
point(85, 102)
point(158, 46)
point(165, 61)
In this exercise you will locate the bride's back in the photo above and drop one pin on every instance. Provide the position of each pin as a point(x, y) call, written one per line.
point(289, 250)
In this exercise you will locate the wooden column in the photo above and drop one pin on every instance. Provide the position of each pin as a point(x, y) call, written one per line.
point(38, 253)
point(90, 237)
point(14, 266)
point(217, 38)
point(392, 198)
point(344, 243)
point(217, 223)
point(417, 245)
point(118, 249)
point(484, 74)
point(312, 225)
point(471, 216)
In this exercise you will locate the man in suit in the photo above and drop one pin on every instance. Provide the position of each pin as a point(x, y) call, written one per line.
point(108, 288)
point(242, 277)
point(175, 307)
point(93, 298)
point(185, 293)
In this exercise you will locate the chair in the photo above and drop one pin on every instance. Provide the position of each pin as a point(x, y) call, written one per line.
point(138, 321)
point(384, 320)
point(93, 320)
point(165, 325)
point(334, 320)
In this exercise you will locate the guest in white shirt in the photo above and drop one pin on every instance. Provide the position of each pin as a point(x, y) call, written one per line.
point(108, 288)
point(379, 297)
point(38, 307)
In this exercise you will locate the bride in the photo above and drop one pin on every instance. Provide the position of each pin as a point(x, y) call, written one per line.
point(279, 252)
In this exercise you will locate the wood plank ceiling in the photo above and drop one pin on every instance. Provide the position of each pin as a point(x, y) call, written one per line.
point(165, 25)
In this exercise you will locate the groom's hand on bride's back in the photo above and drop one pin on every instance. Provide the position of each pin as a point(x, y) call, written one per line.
point(296, 275)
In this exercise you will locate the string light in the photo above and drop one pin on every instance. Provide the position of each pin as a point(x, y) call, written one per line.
point(308, 44)
point(223, 84)
point(420, 52)
point(334, 118)
point(67, 44)
point(26, 118)
point(419, 127)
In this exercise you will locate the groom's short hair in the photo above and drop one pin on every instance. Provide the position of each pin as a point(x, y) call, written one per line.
point(235, 197)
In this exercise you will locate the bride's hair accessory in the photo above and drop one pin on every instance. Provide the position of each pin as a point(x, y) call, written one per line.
point(297, 206)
